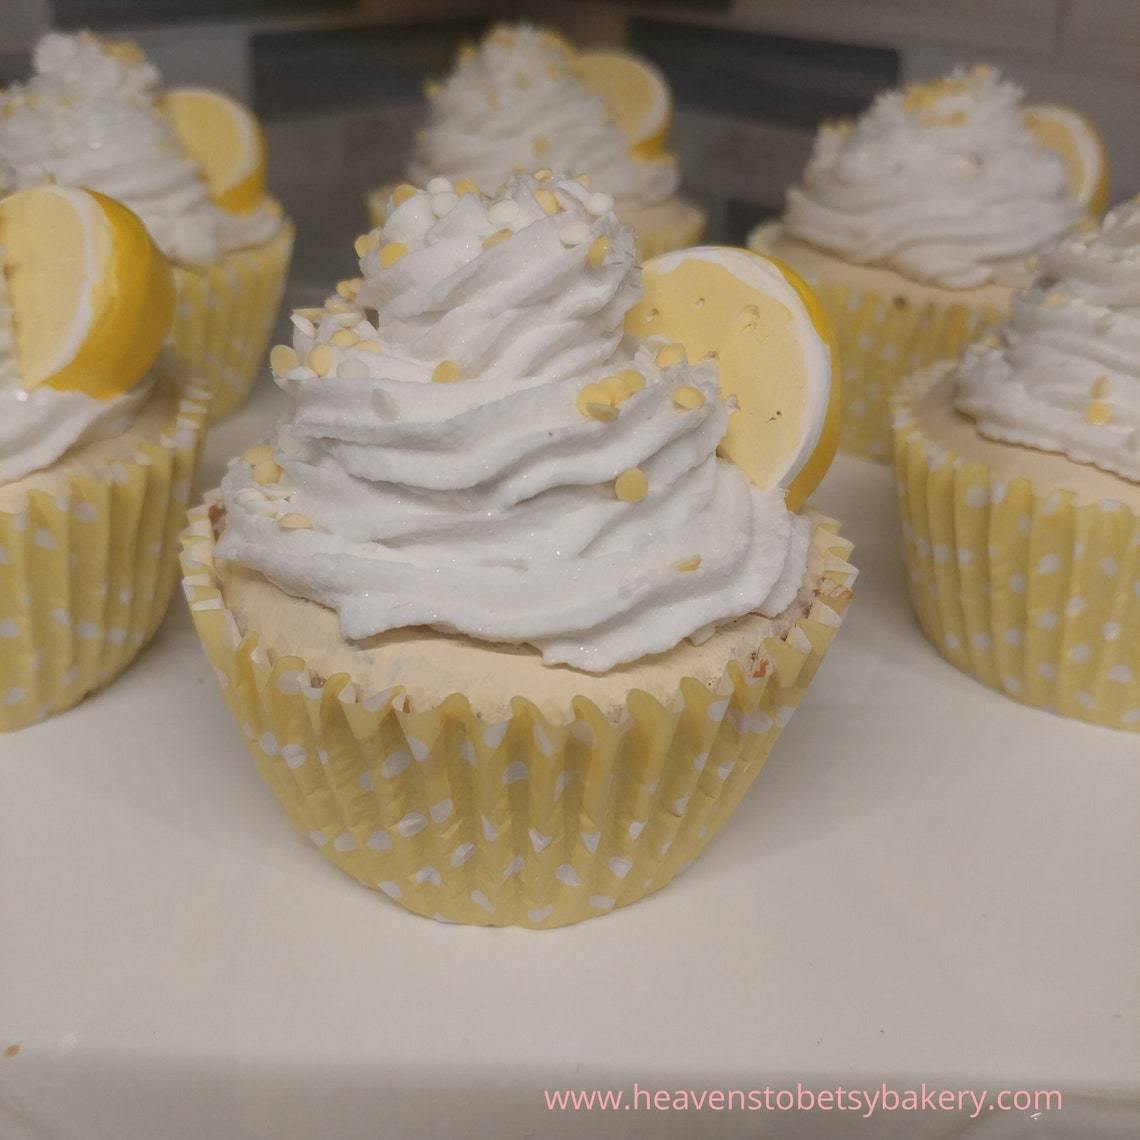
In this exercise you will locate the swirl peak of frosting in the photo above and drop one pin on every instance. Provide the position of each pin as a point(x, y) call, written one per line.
point(478, 447)
point(1064, 374)
point(514, 104)
point(942, 182)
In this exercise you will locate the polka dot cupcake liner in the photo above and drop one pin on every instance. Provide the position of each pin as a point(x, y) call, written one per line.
point(883, 339)
point(524, 822)
point(225, 314)
point(86, 573)
point(1031, 594)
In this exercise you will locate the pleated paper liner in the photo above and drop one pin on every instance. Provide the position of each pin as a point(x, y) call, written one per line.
point(225, 316)
point(656, 229)
point(86, 575)
point(1031, 594)
point(525, 822)
point(883, 339)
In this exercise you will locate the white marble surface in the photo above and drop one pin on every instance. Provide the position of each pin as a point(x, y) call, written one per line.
point(927, 882)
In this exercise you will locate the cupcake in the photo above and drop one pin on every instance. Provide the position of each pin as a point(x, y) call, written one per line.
point(507, 637)
point(98, 442)
point(914, 224)
point(524, 100)
point(190, 164)
point(1018, 472)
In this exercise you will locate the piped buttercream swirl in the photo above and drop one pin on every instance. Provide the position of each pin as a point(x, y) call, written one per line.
point(942, 182)
point(515, 104)
point(1064, 374)
point(478, 447)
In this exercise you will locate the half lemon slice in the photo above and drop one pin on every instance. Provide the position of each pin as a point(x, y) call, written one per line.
point(774, 349)
point(92, 297)
point(635, 94)
point(224, 138)
point(1075, 140)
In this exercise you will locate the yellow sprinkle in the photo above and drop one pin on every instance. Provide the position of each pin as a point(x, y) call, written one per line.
point(366, 243)
point(310, 314)
point(343, 338)
point(465, 186)
point(402, 193)
point(368, 345)
point(259, 453)
point(320, 359)
point(671, 354)
point(431, 88)
point(541, 144)
point(495, 238)
point(685, 565)
point(1053, 300)
point(547, 200)
point(599, 247)
point(631, 485)
point(349, 287)
point(1100, 387)
point(583, 180)
point(613, 390)
point(688, 399)
point(446, 372)
point(545, 174)
point(283, 359)
point(391, 253)
point(598, 411)
point(466, 52)
point(266, 471)
point(1031, 262)
point(337, 305)
point(1098, 413)
point(294, 521)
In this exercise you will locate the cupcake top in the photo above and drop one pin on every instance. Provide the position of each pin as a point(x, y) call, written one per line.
point(515, 104)
point(78, 334)
point(478, 447)
point(943, 182)
point(91, 116)
point(1064, 374)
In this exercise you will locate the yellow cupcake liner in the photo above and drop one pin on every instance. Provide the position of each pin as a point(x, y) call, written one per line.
point(86, 573)
point(677, 233)
point(225, 315)
point(1031, 594)
point(883, 338)
point(525, 822)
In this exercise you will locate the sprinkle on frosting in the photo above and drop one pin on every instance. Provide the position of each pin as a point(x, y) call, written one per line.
point(1064, 375)
point(548, 492)
point(943, 182)
point(515, 103)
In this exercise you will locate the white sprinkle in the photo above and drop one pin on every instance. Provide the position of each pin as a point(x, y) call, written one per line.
point(576, 233)
point(302, 372)
point(444, 203)
point(303, 325)
point(438, 186)
point(598, 204)
point(352, 370)
point(503, 213)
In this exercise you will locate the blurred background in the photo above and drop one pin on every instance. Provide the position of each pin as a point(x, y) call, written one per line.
point(337, 83)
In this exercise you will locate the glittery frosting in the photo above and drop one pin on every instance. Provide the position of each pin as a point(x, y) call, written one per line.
point(942, 182)
point(477, 446)
point(90, 117)
point(1064, 374)
point(515, 104)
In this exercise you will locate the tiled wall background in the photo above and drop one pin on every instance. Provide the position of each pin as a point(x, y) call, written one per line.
point(337, 82)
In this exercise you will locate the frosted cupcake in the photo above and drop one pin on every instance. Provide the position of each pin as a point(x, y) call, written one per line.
point(524, 100)
point(190, 164)
point(914, 224)
point(1019, 481)
point(506, 636)
point(98, 444)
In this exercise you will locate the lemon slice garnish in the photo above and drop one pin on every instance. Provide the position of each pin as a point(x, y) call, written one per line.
point(225, 140)
point(92, 297)
point(767, 333)
point(1075, 139)
point(635, 94)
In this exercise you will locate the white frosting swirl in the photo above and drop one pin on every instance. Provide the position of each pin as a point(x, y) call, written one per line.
point(90, 117)
point(942, 182)
point(1065, 373)
point(488, 505)
point(515, 104)
point(37, 427)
